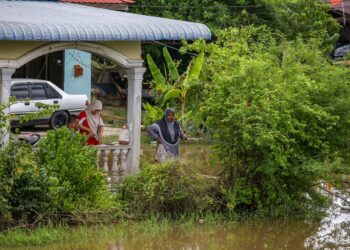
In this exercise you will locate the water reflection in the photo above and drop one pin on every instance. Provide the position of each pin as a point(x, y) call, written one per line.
point(257, 235)
point(334, 229)
point(263, 235)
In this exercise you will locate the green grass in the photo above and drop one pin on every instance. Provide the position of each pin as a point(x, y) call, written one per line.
point(63, 234)
point(40, 236)
point(109, 139)
point(196, 154)
point(115, 116)
point(60, 237)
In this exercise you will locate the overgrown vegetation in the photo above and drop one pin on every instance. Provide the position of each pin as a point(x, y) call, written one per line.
point(57, 182)
point(171, 190)
point(306, 17)
point(272, 107)
point(271, 104)
point(74, 180)
point(172, 88)
point(23, 186)
point(271, 101)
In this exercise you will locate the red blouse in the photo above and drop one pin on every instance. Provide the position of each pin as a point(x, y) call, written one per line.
point(83, 121)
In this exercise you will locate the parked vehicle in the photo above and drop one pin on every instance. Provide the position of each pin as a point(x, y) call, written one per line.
point(28, 92)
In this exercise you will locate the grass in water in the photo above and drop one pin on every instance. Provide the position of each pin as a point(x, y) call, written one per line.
point(62, 234)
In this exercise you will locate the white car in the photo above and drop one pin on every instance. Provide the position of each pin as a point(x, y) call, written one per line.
point(28, 92)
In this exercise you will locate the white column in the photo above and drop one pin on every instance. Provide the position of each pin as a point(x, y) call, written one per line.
point(5, 81)
point(135, 78)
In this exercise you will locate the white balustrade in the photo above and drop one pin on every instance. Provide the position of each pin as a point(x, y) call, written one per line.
point(113, 160)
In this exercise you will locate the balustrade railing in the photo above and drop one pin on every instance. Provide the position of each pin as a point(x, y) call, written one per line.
point(112, 159)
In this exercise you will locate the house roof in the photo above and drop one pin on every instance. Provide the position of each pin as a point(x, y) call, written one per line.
point(57, 21)
point(99, 1)
point(340, 6)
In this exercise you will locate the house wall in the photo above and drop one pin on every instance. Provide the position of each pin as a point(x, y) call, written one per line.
point(10, 50)
point(77, 84)
point(14, 50)
point(130, 49)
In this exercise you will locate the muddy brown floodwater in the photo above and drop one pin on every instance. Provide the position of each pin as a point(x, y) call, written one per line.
point(331, 232)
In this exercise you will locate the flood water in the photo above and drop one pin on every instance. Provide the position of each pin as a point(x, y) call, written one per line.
point(331, 232)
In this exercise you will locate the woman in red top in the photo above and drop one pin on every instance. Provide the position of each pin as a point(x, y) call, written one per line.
point(91, 124)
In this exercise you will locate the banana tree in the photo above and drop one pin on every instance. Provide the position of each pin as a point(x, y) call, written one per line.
point(173, 85)
point(163, 82)
point(185, 82)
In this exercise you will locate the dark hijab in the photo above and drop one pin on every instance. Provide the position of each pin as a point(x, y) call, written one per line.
point(170, 130)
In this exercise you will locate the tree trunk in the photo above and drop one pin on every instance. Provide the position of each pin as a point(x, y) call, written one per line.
point(183, 105)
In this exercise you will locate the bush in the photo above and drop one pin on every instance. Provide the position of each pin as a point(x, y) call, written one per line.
point(74, 181)
point(273, 113)
point(57, 182)
point(168, 189)
point(23, 186)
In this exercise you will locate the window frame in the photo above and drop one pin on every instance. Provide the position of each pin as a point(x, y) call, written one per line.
point(59, 96)
point(31, 92)
point(46, 86)
point(21, 83)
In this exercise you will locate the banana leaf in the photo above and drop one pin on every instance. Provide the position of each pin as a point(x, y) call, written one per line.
point(171, 94)
point(157, 75)
point(153, 113)
point(194, 72)
point(173, 73)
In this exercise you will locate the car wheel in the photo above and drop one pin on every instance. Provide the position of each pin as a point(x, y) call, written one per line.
point(59, 119)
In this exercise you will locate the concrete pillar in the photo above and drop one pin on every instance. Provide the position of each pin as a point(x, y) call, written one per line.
point(5, 81)
point(135, 78)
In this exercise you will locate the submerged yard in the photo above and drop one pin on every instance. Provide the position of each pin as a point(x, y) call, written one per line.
point(331, 232)
point(266, 104)
point(211, 231)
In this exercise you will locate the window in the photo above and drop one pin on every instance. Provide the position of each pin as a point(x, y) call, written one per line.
point(51, 92)
point(20, 91)
point(38, 91)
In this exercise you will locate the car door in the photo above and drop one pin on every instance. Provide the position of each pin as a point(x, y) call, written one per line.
point(23, 104)
point(41, 92)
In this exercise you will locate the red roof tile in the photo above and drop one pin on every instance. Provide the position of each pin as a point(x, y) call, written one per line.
point(99, 1)
point(335, 2)
point(340, 6)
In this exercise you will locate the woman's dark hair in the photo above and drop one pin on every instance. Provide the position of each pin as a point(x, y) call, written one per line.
point(72, 118)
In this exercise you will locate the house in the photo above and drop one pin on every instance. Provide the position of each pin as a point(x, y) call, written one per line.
point(27, 33)
point(69, 69)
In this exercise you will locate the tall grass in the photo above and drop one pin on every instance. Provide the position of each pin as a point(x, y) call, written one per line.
point(62, 234)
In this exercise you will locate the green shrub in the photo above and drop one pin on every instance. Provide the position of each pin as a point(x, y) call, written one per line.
point(273, 113)
point(168, 189)
point(23, 186)
point(58, 182)
point(74, 181)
